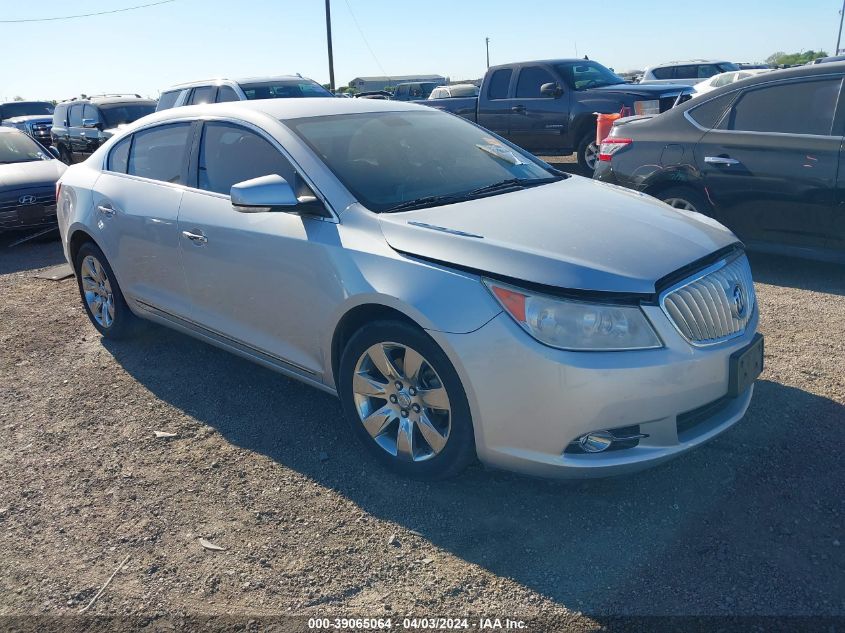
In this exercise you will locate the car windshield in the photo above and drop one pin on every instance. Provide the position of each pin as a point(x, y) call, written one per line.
point(25, 108)
point(122, 113)
point(284, 89)
point(17, 147)
point(392, 161)
point(587, 74)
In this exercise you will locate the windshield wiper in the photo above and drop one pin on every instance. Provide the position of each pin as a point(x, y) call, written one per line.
point(426, 201)
point(511, 184)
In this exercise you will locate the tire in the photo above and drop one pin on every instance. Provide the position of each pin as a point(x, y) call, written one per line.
point(441, 439)
point(101, 296)
point(588, 153)
point(686, 198)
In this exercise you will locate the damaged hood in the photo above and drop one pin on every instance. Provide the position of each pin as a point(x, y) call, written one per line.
point(572, 234)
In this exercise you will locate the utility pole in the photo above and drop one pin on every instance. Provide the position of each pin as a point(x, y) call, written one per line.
point(329, 43)
point(487, 44)
point(839, 37)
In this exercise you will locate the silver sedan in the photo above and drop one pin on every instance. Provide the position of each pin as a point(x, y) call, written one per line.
point(462, 298)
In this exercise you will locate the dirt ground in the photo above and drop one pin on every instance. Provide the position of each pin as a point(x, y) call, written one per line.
point(750, 524)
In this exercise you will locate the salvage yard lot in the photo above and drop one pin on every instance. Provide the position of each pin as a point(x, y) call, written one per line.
point(261, 465)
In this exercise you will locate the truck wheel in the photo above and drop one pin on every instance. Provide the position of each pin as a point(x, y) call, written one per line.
point(588, 152)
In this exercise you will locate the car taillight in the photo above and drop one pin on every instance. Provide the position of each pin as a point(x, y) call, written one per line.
point(611, 145)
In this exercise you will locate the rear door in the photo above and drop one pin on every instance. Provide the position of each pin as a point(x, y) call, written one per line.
point(137, 201)
point(770, 166)
point(494, 103)
point(537, 121)
point(257, 278)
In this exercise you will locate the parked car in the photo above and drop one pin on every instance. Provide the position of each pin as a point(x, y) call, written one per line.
point(459, 295)
point(32, 117)
point(753, 66)
point(80, 126)
point(223, 90)
point(688, 72)
point(451, 92)
point(28, 175)
point(762, 156)
point(827, 60)
point(723, 79)
point(549, 107)
point(413, 91)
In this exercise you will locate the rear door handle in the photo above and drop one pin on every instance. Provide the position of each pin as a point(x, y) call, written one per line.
point(519, 109)
point(720, 160)
point(197, 238)
point(106, 209)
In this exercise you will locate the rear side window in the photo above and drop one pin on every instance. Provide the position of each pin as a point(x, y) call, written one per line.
point(159, 153)
point(685, 72)
point(119, 156)
point(802, 107)
point(203, 94)
point(90, 113)
point(75, 116)
point(60, 115)
point(530, 80)
point(226, 93)
point(230, 154)
point(709, 113)
point(662, 73)
point(167, 100)
point(499, 83)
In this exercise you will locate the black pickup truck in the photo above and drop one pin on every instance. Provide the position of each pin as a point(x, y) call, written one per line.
point(548, 107)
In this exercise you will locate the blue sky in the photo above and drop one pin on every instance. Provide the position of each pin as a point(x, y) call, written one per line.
point(149, 49)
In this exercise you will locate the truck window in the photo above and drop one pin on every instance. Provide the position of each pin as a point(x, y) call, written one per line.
point(499, 83)
point(530, 80)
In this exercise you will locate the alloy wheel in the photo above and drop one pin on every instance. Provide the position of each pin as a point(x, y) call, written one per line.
point(97, 289)
point(591, 155)
point(401, 402)
point(680, 203)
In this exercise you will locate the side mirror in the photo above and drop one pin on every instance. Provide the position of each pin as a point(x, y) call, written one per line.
point(90, 123)
point(273, 193)
point(551, 90)
point(54, 152)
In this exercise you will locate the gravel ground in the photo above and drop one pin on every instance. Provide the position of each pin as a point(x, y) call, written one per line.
point(749, 524)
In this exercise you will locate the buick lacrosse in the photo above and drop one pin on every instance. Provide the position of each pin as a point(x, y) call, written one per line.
point(462, 298)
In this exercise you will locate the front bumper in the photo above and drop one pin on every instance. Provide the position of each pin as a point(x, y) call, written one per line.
point(27, 217)
point(529, 401)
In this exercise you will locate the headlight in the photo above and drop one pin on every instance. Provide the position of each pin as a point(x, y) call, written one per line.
point(576, 325)
point(647, 107)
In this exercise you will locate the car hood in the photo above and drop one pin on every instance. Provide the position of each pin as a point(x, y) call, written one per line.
point(645, 90)
point(574, 234)
point(33, 174)
point(30, 118)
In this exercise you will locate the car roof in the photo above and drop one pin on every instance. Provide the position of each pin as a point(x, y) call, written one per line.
point(108, 100)
point(692, 61)
point(22, 102)
point(216, 81)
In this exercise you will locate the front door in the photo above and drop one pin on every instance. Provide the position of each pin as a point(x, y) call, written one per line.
point(254, 278)
point(770, 166)
point(537, 121)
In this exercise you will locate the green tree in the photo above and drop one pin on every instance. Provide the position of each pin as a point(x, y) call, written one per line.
point(791, 59)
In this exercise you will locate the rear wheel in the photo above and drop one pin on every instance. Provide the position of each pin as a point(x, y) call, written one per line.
point(686, 199)
point(588, 152)
point(404, 401)
point(101, 295)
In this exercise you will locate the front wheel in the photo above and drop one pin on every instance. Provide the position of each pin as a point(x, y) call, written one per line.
point(588, 152)
point(405, 401)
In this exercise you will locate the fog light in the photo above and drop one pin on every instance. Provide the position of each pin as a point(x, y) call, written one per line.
point(596, 442)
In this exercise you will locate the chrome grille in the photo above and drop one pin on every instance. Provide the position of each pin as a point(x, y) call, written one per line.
point(714, 306)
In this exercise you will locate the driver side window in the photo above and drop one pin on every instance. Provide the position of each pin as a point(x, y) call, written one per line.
point(230, 154)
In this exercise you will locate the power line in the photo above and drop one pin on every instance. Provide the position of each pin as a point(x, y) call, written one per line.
point(364, 37)
point(87, 15)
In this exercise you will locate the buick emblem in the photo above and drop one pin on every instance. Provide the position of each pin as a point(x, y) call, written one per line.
point(27, 199)
point(739, 304)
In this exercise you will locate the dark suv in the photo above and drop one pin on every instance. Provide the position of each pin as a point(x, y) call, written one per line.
point(80, 126)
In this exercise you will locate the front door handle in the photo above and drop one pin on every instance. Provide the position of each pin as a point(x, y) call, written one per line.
point(106, 209)
point(197, 238)
point(518, 109)
point(720, 160)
